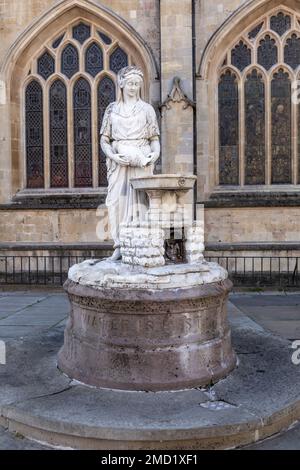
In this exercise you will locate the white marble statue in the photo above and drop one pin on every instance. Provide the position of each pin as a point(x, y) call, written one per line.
point(130, 141)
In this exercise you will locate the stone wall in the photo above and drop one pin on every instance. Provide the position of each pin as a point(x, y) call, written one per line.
point(166, 28)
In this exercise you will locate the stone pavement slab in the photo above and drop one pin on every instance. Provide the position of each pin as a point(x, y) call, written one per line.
point(11, 441)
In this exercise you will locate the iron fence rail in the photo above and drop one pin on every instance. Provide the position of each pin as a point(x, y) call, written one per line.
point(248, 271)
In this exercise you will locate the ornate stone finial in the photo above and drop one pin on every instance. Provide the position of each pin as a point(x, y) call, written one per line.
point(177, 95)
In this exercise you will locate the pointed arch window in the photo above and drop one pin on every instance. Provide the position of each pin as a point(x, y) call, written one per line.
point(34, 135)
point(72, 82)
point(259, 132)
point(58, 135)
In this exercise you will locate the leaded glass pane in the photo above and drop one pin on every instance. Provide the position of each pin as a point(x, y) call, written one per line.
point(58, 135)
point(106, 95)
point(82, 134)
point(292, 51)
point(34, 135)
point(280, 23)
point(94, 59)
point(46, 65)
point(281, 128)
point(69, 61)
point(228, 130)
point(254, 32)
point(81, 32)
point(58, 41)
point(118, 60)
point(255, 149)
point(267, 54)
point(241, 56)
point(106, 39)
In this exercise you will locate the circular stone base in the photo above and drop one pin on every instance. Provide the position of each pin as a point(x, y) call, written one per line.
point(138, 330)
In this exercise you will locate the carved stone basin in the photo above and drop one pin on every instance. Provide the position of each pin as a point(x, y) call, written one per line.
point(164, 182)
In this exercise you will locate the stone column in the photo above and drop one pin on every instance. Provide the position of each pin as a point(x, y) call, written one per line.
point(177, 86)
point(5, 149)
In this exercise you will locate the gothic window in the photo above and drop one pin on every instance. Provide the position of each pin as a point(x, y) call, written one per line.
point(106, 39)
point(259, 133)
point(57, 41)
point(267, 54)
point(280, 23)
point(94, 59)
point(229, 129)
point(241, 56)
point(46, 65)
point(106, 94)
point(81, 32)
point(118, 60)
point(34, 135)
point(82, 134)
point(254, 129)
point(69, 61)
point(254, 32)
point(58, 135)
point(281, 128)
point(78, 65)
point(292, 51)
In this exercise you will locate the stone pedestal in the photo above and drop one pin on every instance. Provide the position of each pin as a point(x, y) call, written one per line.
point(155, 329)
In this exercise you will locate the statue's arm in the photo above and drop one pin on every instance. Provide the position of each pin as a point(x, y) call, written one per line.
point(109, 153)
point(155, 149)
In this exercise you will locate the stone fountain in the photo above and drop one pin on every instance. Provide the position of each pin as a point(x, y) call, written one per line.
point(155, 320)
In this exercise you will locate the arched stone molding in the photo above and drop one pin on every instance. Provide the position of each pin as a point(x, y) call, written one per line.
point(235, 27)
point(15, 68)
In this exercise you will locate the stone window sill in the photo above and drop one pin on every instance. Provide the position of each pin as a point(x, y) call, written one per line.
point(278, 196)
point(57, 199)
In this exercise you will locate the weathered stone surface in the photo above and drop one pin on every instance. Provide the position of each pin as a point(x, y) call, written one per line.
point(152, 334)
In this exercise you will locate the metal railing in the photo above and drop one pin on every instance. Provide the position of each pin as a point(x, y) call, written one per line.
point(247, 271)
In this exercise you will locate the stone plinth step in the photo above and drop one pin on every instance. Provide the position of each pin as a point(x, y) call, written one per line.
point(260, 398)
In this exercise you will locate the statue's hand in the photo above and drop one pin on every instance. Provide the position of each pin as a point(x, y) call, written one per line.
point(121, 159)
point(153, 157)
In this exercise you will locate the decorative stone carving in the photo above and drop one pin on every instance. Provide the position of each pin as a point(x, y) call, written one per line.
point(156, 319)
point(177, 95)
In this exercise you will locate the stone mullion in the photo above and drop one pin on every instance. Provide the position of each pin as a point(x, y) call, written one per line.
point(241, 99)
point(268, 110)
point(46, 123)
point(70, 136)
point(294, 142)
point(95, 147)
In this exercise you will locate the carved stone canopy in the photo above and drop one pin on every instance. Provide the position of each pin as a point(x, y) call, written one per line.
point(177, 95)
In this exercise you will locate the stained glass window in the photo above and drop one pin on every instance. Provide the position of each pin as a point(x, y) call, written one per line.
point(254, 32)
point(94, 59)
point(267, 54)
point(106, 95)
point(246, 157)
point(280, 23)
point(58, 41)
point(58, 135)
point(82, 134)
point(281, 128)
point(68, 108)
point(118, 60)
point(292, 51)
point(228, 129)
point(69, 61)
point(81, 32)
point(34, 135)
point(241, 56)
point(254, 129)
point(46, 65)
point(106, 39)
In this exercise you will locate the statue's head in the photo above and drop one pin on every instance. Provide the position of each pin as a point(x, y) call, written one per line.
point(130, 81)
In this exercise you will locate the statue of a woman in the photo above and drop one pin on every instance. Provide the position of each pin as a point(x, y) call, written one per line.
point(130, 141)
